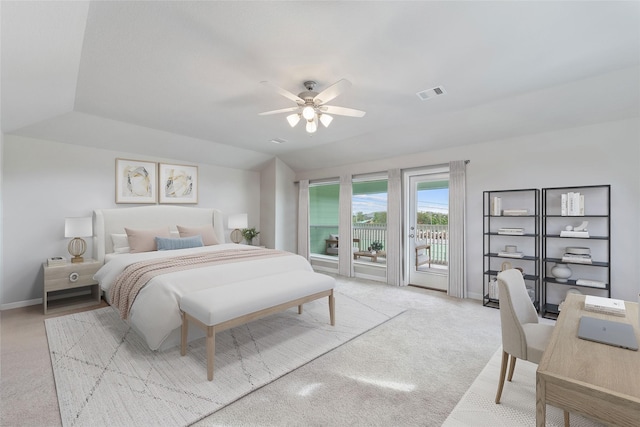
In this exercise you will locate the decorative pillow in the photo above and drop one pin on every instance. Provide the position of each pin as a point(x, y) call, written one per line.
point(206, 231)
point(333, 237)
point(169, 244)
point(120, 243)
point(144, 240)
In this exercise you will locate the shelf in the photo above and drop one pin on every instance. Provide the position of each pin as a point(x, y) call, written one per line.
point(526, 257)
point(572, 283)
point(593, 264)
point(528, 242)
point(557, 236)
point(597, 198)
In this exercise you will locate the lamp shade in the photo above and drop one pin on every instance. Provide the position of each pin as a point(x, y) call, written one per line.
point(238, 221)
point(78, 227)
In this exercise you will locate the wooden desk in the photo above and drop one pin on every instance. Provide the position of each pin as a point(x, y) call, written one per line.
point(597, 380)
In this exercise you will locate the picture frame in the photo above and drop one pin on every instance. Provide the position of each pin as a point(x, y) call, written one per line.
point(136, 181)
point(178, 183)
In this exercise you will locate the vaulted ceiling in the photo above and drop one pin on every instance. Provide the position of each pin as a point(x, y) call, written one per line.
point(182, 79)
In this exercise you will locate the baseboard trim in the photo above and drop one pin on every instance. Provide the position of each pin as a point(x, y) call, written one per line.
point(20, 304)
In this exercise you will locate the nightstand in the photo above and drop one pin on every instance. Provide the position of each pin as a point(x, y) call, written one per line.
point(59, 278)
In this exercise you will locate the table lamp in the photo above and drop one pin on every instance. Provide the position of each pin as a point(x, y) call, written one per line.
point(237, 222)
point(77, 228)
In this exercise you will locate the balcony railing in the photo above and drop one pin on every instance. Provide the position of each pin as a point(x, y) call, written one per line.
point(434, 235)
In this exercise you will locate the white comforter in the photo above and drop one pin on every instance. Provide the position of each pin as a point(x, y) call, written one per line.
point(155, 313)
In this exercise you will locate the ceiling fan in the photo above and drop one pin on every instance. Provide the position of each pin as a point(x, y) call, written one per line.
point(312, 105)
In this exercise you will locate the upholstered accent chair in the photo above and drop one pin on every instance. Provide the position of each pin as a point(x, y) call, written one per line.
point(522, 336)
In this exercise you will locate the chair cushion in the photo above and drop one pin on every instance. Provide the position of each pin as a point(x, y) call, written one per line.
point(538, 336)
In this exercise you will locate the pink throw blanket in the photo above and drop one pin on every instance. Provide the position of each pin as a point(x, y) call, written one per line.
point(129, 283)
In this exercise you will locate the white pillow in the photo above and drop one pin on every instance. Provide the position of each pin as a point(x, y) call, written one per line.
point(120, 243)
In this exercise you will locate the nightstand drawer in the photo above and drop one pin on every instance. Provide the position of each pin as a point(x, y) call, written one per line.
point(70, 276)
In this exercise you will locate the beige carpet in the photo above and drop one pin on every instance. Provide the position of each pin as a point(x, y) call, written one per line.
point(517, 405)
point(105, 374)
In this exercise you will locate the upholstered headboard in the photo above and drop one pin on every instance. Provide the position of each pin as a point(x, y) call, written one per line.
point(108, 221)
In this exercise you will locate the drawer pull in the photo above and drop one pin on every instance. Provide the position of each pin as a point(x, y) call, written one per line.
point(73, 277)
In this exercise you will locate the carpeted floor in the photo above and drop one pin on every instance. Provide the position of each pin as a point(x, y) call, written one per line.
point(517, 406)
point(105, 374)
point(410, 371)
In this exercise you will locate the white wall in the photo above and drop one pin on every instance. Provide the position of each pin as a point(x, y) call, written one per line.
point(45, 181)
point(606, 153)
point(278, 207)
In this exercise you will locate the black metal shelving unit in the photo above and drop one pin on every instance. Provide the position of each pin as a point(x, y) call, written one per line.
point(529, 242)
point(597, 210)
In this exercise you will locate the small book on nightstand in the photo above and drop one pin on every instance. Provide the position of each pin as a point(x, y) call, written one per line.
point(56, 260)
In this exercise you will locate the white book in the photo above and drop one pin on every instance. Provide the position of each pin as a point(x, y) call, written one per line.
point(581, 208)
point(604, 305)
point(591, 283)
point(563, 204)
point(511, 254)
point(582, 234)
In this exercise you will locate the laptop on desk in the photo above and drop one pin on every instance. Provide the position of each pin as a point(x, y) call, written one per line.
point(617, 334)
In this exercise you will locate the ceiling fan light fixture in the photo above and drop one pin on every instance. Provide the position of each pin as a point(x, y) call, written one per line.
point(293, 119)
point(326, 120)
point(312, 126)
point(308, 112)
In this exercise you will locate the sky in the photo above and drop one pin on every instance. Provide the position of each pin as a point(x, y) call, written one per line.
point(428, 201)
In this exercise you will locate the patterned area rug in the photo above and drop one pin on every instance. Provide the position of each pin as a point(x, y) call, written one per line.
point(517, 405)
point(106, 375)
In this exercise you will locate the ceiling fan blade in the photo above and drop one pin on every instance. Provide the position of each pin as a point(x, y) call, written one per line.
point(283, 110)
point(332, 91)
point(342, 111)
point(285, 93)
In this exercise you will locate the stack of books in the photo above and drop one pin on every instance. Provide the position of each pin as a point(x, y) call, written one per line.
point(56, 260)
point(515, 212)
point(572, 204)
point(577, 255)
point(604, 305)
point(579, 259)
point(511, 231)
point(511, 254)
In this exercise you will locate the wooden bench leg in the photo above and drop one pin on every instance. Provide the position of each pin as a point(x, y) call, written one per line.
point(183, 334)
point(300, 309)
point(211, 350)
point(332, 309)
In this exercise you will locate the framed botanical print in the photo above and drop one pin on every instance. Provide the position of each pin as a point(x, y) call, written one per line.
point(136, 181)
point(178, 183)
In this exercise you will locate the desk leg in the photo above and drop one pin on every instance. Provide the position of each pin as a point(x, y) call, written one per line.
point(541, 401)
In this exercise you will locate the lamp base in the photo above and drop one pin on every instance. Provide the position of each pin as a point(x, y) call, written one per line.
point(77, 247)
point(77, 258)
point(236, 236)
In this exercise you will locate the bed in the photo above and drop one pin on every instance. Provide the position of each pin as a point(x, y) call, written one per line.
point(155, 313)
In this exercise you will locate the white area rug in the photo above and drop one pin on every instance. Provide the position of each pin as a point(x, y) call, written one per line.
point(517, 405)
point(106, 375)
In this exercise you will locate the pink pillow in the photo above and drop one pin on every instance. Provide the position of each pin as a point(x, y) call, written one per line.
point(144, 240)
point(206, 231)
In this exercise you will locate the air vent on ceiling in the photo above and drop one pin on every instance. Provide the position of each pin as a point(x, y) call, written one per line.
point(278, 140)
point(431, 93)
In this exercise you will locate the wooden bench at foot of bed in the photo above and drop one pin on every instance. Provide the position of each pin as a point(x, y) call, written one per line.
point(225, 307)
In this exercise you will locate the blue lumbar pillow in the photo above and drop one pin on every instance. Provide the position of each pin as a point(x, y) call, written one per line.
point(168, 244)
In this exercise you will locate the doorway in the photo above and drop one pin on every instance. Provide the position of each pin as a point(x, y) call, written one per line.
point(427, 228)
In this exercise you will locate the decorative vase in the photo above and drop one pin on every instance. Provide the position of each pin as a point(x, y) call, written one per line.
point(561, 272)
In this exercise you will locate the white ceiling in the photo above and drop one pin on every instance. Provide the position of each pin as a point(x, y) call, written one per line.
point(182, 79)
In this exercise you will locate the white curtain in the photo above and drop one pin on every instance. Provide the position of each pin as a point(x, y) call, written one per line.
point(457, 221)
point(303, 218)
point(394, 228)
point(345, 234)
